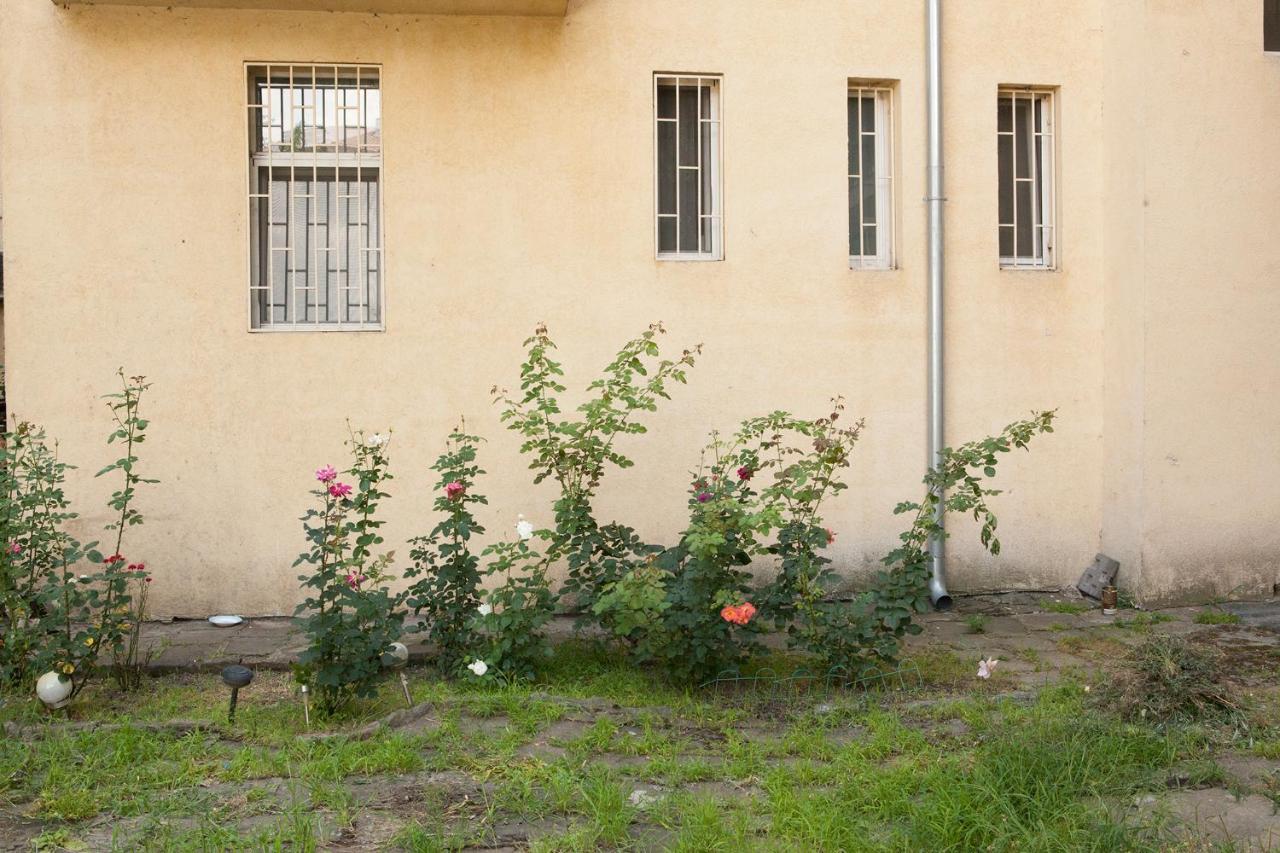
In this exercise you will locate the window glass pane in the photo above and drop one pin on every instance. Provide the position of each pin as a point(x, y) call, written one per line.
point(853, 136)
point(869, 240)
point(869, 180)
point(667, 234)
point(688, 126)
point(1022, 198)
point(1005, 146)
point(710, 154)
point(1022, 141)
point(687, 139)
point(688, 210)
point(1271, 25)
point(324, 262)
point(710, 230)
point(666, 102)
point(315, 148)
point(666, 167)
point(1025, 165)
point(855, 220)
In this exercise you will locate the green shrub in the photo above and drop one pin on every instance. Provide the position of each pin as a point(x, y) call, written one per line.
point(349, 616)
point(574, 452)
point(864, 635)
point(448, 592)
point(516, 611)
point(57, 614)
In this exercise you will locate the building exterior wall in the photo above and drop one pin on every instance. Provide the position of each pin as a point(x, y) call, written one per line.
point(518, 187)
point(1199, 106)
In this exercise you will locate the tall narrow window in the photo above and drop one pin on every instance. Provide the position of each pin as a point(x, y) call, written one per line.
point(687, 150)
point(315, 200)
point(870, 177)
point(1024, 129)
point(1271, 25)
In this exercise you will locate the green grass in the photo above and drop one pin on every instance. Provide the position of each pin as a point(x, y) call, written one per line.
point(719, 772)
point(1065, 607)
point(1217, 617)
point(1142, 622)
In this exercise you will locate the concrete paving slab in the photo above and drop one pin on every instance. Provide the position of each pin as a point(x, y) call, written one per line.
point(1258, 614)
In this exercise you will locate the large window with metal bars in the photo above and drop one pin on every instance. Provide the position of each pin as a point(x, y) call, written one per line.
point(688, 222)
point(1026, 163)
point(870, 176)
point(315, 200)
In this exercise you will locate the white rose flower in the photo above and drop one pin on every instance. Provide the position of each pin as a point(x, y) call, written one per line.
point(986, 667)
point(376, 440)
point(478, 667)
point(485, 609)
point(524, 529)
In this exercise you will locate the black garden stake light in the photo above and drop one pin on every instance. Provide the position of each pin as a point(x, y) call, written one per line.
point(235, 677)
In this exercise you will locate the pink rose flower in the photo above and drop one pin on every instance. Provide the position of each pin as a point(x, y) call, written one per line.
point(339, 490)
point(327, 474)
point(454, 490)
point(703, 497)
point(744, 473)
point(15, 549)
point(831, 536)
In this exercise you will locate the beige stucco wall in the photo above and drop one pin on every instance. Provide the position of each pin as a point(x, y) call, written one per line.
point(1197, 108)
point(518, 188)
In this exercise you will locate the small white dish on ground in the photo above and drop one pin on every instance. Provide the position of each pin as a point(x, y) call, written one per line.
point(226, 621)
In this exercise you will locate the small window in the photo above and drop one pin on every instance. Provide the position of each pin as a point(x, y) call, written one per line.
point(1271, 25)
point(315, 198)
point(870, 177)
point(1024, 135)
point(687, 147)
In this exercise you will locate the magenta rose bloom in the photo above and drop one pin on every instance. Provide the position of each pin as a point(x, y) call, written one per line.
point(454, 490)
point(327, 474)
point(703, 497)
point(339, 490)
point(744, 473)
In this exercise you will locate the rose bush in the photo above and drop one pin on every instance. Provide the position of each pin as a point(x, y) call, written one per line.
point(349, 616)
point(446, 594)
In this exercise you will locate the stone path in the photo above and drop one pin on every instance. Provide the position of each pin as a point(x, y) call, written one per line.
point(1033, 634)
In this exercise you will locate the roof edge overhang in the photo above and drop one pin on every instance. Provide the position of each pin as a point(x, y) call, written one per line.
point(530, 8)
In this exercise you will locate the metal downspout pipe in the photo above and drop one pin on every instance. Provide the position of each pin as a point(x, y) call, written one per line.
point(933, 82)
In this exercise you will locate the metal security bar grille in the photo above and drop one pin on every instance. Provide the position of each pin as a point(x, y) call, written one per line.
point(870, 177)
point(315, 200)
point(1024, 134)
point(687, 153)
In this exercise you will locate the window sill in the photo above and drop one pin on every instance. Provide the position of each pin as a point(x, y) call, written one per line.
point(690, 257)
point(864, 266)
point(1006, 266)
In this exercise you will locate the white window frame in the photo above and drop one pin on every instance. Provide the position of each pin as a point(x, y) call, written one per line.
point(885, 256)
point(362, 161)
point(715, 251)
point(1044, 215)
